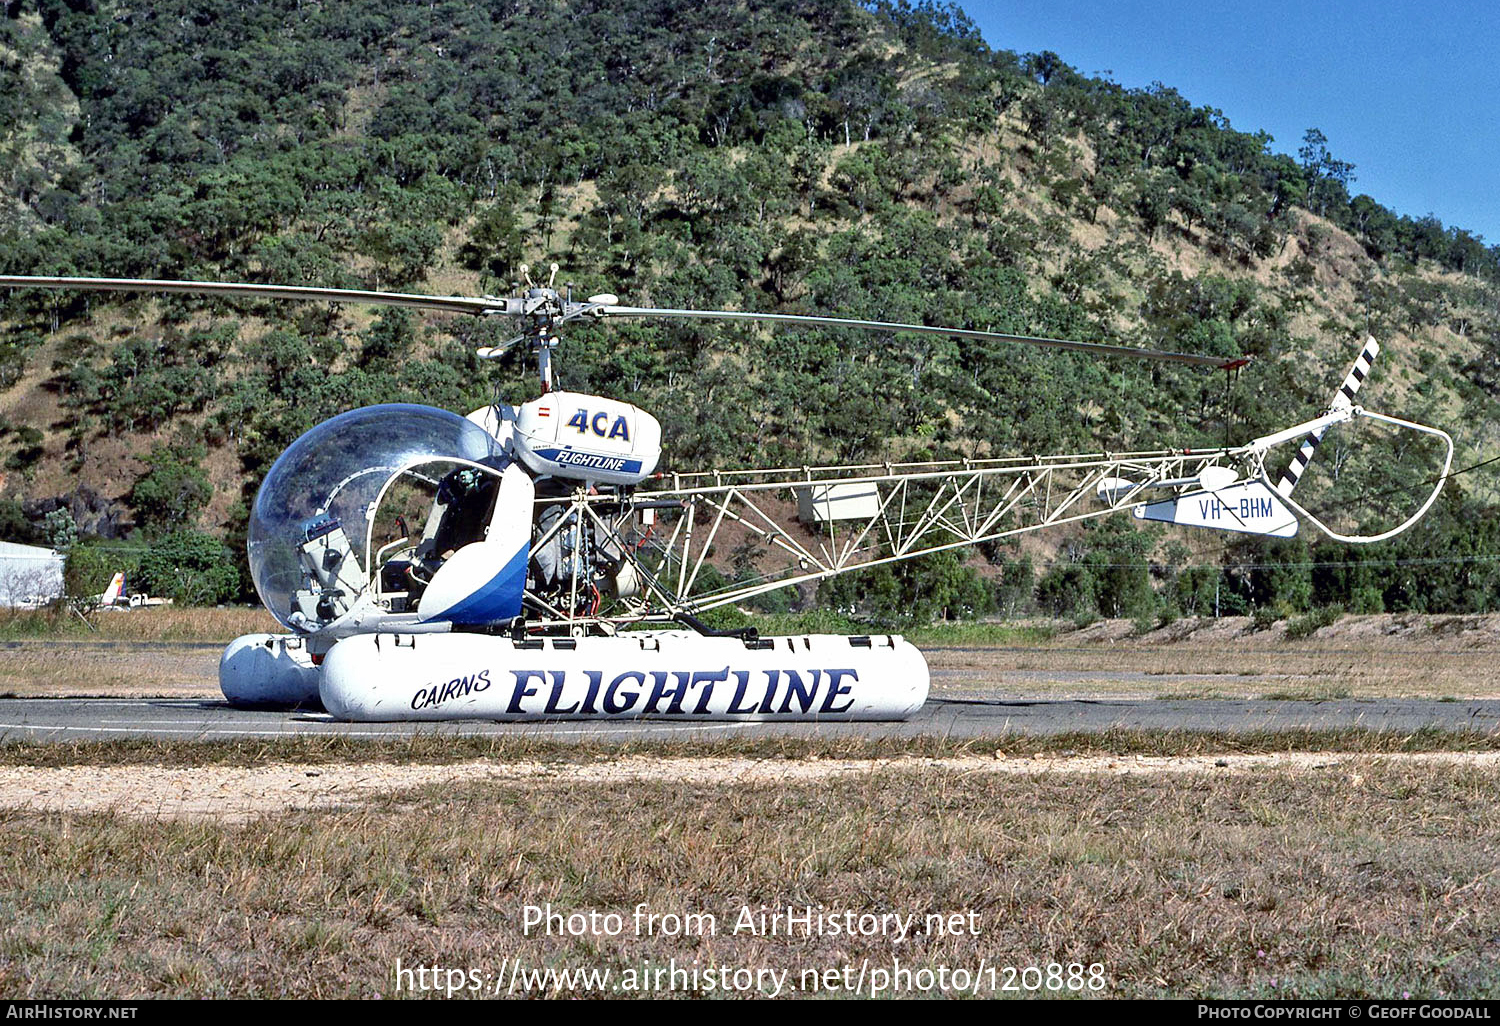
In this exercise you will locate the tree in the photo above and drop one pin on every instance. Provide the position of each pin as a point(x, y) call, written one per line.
point(59, 529)
point(174, 489)
point(15, 526)
point(1153, 202)
point(1042, 66)
point(191, 568)
point(494, 242)
point(86, 573)
point(914, 591)
point(390, 338)
point(1329, 178)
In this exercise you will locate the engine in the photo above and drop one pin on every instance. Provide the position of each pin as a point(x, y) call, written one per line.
point(576, 563)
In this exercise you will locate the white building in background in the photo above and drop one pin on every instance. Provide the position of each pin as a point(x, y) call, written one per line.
point(30, 576)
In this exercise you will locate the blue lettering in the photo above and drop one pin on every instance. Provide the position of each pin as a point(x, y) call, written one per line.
point(835, 689)
point(795, 689)
point(580, 421)
point(552, 699)
point(574, 458)
point(742, 682)
point(659, 690)
point(708, 680)
point(614, 702)
point(766, 704)
point(670, 692)
point(621, 429)
point(595, 678)
point(522, 691)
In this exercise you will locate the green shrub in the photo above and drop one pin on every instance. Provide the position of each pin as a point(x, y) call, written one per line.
point(1306, 625)
point(87, 571)
point(1085, 618)
point(1265, 617)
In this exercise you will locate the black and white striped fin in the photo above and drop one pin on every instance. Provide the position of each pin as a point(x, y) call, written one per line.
point(1342, 399)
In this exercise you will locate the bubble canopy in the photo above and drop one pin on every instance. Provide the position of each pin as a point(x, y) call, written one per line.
point(329, 480)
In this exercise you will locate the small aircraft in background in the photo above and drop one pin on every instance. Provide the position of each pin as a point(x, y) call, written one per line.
point(552, 552)
point(117, 596)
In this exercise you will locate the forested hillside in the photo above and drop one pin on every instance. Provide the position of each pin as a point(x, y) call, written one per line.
point(875, 160)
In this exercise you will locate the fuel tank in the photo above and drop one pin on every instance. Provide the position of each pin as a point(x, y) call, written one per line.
point(670, 675)
point(588, 438)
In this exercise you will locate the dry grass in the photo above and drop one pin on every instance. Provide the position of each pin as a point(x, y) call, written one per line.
point(435, 749)
point(71, 669)
point(1358, 657)
point(1214, 672)
point(1345, 880)
point(161, 651)
point(204, 870)
point(190, 669)
point(240, 793)
point(158, 623)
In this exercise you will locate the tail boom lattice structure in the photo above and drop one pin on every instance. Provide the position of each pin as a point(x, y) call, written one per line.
point(851, 518)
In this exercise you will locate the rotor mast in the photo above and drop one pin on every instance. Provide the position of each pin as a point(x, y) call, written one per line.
point(542, 304)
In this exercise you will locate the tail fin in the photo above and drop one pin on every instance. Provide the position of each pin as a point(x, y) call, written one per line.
point(1342, 399)
point(115, 591)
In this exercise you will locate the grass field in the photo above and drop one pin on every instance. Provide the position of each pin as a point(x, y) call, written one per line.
point(1333, 877)
point(139, 653)
point(1290, 864)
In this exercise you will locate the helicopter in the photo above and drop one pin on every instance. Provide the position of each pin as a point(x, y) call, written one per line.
point(536, 562)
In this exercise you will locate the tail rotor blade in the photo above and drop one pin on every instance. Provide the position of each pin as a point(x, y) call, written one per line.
point(1342, 399)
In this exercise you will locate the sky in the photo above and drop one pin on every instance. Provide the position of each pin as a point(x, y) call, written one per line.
point(1408, 92)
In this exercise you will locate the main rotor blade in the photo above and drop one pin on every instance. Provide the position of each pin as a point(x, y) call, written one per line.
point(1099, 348)
point(451, 304)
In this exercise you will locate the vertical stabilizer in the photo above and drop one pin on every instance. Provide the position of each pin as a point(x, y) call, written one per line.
point(116, 590)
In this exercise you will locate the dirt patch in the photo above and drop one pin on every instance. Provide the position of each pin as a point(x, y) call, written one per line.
point(236, 794)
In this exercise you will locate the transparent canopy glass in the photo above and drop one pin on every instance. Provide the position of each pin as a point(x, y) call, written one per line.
point(324, 488)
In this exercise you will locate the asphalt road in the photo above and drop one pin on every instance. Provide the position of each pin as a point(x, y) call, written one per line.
point(80, 719)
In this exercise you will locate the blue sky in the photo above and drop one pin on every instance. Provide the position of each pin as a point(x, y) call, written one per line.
point(1408, 92)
